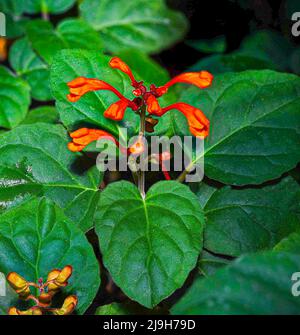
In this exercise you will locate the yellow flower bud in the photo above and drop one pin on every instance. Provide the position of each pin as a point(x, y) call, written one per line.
point(19, 284)
point(68, 306)
point(59, 278)
point(30, 311)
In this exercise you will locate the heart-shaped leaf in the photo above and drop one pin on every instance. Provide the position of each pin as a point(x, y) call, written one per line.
point(149, 245)
point(148, 26)
point(254, 284)
point(15, 99)
point(31, 68)
point(36, 238)
point(254, 125)
point(248, 220)
point(69, 34)
point(34, 159)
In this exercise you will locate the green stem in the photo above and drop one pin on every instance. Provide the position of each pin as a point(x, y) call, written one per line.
point(182, 176)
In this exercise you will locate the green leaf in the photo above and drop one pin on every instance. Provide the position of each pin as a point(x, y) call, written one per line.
point(254, 125)
point(248, 220)
point(15, 99)
point(138, 238)
point(48, 6)
point(35, 159)
point(69, 34)
point(256, 284)
point(235, 62)
point(270, 46)
point(14, 7)
point(44, 114)
point(112, 309)
point(31, 68)
point(37, 238)
point(15, 26)
point(128, 308)
point(290, 243)
point(214, 45)
point(295, 61)
point(208, 263)
point(145, 25)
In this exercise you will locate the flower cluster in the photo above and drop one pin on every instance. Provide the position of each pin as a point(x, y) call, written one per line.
point(198, 123)
point(55, 281)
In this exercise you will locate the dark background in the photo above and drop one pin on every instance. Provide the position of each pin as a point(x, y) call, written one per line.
point(233, 18)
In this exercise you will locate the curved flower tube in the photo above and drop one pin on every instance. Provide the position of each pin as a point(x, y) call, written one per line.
point(153, 106)
point(198, 123)
point(117, 110)
point(117, 63)
point(202, 79)
point(81, 85)
point(84, 136)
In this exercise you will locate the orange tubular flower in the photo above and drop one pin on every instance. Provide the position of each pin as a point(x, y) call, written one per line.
point(198, 123)
point(117, 63)
point(202, 79)
point(84, 136)
point(81, 85)
point(117, 110)
point(153, 106)
point(144, 97)
point(3, 49)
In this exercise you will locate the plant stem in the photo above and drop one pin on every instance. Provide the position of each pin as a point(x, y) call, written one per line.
point(141, 173)
point(182, 176)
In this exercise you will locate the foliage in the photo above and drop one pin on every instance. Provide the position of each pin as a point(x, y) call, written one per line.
point(226, 245)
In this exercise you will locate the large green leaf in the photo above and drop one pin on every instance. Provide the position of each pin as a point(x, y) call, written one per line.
point(254, 284)
point(247, 220)
point(34, 159)
point(48, 6)
point(69, 34)
point(36, 238)
point(44, 114)
point(254, 125)
point(31, 68)
point(139, 237)
point(146, 25)
point(15, 99)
